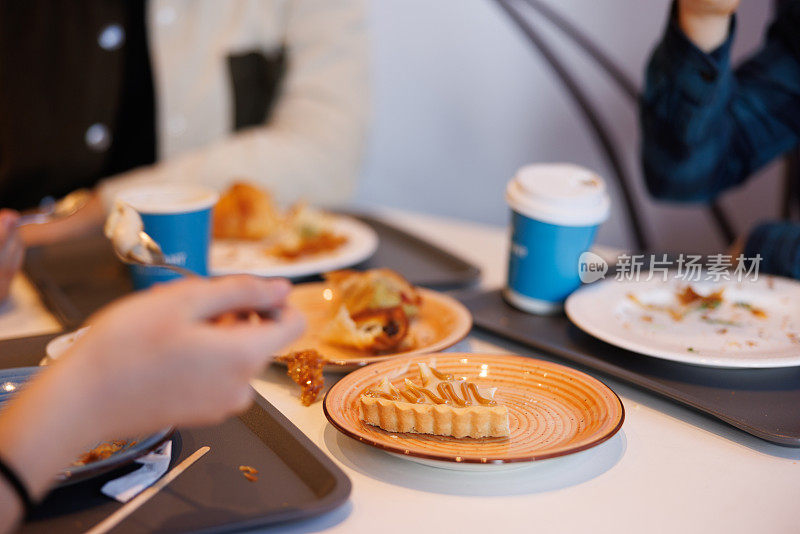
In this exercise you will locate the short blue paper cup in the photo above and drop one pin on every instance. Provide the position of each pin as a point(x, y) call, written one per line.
point(555, 212)
point(178, 218)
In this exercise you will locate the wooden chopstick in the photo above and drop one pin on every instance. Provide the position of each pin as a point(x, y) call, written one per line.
point(131, 506)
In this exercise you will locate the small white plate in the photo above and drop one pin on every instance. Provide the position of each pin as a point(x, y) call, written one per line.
point(732, 335)
point(230, 256)
point(538, 467)
point(470, 468)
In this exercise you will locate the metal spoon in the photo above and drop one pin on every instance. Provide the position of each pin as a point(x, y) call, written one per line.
point(50, 210)
point(149, 254)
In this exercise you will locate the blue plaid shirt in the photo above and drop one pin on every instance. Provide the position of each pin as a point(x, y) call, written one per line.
point(707, 126)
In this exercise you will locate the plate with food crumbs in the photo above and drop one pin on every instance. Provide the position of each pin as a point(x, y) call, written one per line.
point(729, 323)
point(253, 235)
point(99, 459)
point(357, 318)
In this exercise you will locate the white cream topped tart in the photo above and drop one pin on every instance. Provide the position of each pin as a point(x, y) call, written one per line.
point(439, 404)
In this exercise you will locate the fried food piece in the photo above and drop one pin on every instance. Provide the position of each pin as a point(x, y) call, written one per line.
point(376, 289)
point(305, 231)
point(391, 326)
point(101, 452)
point(374, 309)
point(245, 212)
point(369, 330)
point(305, 368)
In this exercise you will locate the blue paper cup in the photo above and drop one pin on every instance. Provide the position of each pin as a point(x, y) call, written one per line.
point(178, 218)
point(555, 212)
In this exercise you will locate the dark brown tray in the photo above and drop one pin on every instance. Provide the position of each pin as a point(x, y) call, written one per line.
point(761, 402)
point(296, 479)
point(78, 277)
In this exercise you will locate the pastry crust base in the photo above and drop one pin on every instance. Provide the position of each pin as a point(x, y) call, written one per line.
point(438, 419)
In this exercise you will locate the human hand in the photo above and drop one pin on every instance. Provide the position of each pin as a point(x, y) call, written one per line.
point(150, 360)
point(88, 218)
point(709, 7)
point(11, 251)
point(705, 22)
point(156, 359)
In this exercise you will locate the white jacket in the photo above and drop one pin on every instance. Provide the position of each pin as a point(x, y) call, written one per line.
point(310, 147)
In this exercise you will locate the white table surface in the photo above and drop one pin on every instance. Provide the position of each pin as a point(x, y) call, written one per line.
point(668, 470)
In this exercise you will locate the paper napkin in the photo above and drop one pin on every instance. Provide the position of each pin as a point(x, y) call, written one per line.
point(154, 465)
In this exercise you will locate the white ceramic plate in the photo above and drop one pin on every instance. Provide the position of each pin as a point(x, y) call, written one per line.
point(537, 467)
point(230, 256)
point(756, 325)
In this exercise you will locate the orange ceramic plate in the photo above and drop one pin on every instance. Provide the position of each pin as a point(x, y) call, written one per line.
point(441, 323)
point(553, 410)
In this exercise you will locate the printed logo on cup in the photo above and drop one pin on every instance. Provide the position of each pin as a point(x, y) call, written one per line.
point(591, 267)
point(518, 250)
point(178, 258)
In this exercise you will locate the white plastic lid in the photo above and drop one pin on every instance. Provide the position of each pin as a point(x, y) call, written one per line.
point(168, 197)
point(559, 193)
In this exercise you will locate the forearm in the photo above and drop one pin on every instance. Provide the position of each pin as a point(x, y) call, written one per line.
point(86, 220)
point(46, 427)
point(686, 127)
point(706, 127)
point(706, 28)
point(316, 158)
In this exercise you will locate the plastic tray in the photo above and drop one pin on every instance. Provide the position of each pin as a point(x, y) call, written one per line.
point(78, 277)
point(296, 479)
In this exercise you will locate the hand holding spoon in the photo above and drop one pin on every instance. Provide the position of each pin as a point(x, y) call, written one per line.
point(51, 210)
point(132, 244)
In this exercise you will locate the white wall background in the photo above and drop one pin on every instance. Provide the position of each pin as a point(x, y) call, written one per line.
point(461, 100)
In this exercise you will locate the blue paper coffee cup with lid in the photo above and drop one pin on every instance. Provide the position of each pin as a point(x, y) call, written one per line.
point(556, 209)
point(178, 217)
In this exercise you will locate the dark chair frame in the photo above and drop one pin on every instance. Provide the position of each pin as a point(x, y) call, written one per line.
point(610, 151)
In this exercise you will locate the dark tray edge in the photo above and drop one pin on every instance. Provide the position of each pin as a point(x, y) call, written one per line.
point(329, 502)
point(631, 378)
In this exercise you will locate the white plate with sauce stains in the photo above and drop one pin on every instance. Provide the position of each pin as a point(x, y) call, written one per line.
point(231, 256)
point(731, 324)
